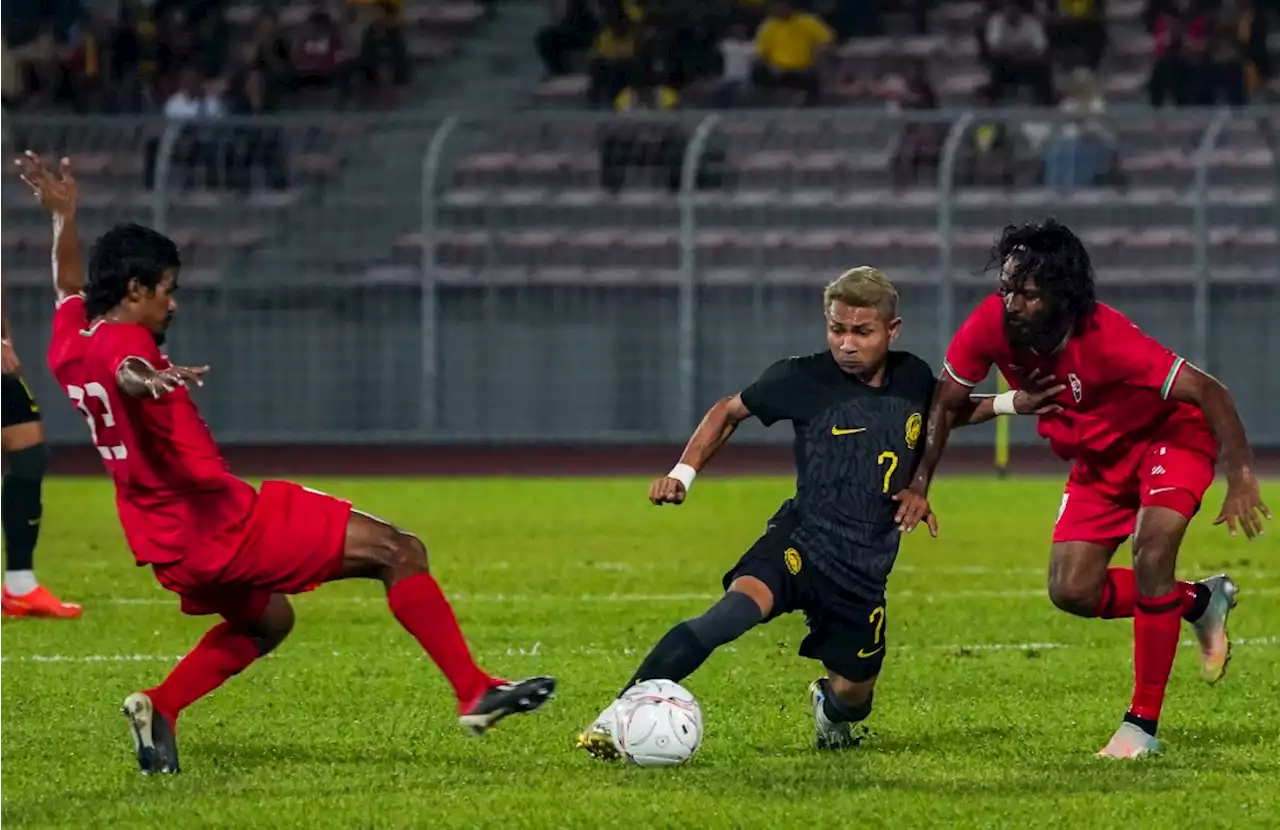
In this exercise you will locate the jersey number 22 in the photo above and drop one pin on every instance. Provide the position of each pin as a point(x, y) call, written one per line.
point(86, 398)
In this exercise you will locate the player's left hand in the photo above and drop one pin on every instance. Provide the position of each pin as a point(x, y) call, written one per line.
point(913, 508)
point(9, 362)
point(1243, 505)
point(58, 191)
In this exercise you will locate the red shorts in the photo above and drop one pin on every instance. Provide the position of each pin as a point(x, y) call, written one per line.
point(1101, 506)
point(292, 543)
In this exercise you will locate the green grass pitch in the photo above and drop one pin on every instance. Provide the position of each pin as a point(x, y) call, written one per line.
point(987, 715)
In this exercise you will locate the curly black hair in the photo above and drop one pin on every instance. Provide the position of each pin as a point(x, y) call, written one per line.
point(1051, 253)
point(124, 253)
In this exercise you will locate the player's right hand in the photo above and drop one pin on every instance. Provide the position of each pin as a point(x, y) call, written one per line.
point(1037, 399)
point(667, 490)
point(913, 508)
point(175, 377)
point(57, 192)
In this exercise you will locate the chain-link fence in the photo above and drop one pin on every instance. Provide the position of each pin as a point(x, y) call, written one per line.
point(571, 277)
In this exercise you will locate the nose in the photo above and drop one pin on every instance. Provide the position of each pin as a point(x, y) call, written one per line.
point(848, 344)
point(1012, 302)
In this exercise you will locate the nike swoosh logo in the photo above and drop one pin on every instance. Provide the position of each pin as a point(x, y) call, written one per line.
point(870, 653)
point(1155, 490)
point(838, 431)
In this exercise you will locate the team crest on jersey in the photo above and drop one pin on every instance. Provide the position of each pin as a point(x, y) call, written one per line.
point(914, 423)
point(792, 557)
point(1077, 390)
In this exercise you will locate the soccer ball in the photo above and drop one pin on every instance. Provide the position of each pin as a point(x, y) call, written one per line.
point(657, 723)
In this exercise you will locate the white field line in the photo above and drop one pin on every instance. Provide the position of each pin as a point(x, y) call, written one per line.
point(622, 599)
point(537, 650)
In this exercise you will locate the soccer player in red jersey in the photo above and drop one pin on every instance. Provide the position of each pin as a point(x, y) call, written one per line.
point(223, 547)
point(1144, 429)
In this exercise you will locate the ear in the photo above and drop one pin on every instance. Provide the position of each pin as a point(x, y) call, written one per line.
point(133, 290)
point(895, 326)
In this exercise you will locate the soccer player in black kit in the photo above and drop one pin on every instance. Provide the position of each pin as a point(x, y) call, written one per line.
point(858, 410)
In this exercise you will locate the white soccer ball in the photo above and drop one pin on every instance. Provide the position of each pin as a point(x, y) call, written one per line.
point(657, 723)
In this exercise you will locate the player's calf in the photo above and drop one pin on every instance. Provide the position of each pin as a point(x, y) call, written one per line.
point(688, 644)
point(375, 549)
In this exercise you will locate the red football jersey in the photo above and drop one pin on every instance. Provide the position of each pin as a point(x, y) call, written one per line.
point(1117, 377)
point(174, 493)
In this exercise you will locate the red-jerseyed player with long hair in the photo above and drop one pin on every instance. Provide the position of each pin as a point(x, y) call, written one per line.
point(1144, 429)
point(221, 546)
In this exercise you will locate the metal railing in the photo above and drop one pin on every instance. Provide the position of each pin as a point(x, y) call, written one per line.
point(460, 227)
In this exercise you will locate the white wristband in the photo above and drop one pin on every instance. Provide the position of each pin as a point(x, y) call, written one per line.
point(1003, 403)
point(684, 474)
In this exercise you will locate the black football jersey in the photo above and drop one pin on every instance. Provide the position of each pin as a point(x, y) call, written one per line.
point(855, 446)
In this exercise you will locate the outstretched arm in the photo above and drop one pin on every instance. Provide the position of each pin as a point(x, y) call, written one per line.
point(1244, 501)
point(58, 192)
point(139, 379)
point(954, 406)
point(712, 433)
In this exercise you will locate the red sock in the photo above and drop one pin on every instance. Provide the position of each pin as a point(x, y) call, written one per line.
point(1157, 623)
point(220, 655)
point(421, 608)
point(1120, 592)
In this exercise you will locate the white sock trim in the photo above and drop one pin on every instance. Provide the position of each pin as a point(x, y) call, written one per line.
point(20, 583)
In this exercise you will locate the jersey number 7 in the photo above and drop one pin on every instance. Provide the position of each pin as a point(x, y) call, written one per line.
point(97, 394)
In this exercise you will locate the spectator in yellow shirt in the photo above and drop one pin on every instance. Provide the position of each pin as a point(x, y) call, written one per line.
point(790, 46)
point(614, 57)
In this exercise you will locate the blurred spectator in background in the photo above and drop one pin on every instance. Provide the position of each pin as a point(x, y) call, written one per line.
point(82, 63)
point(1016, 48)
point(989, 158)
point(613, 63)
point(318, 55)
point(1082, 151)
point(790, 46)
point(737, 54)
point(384, 54)
point(38, 65)
point(1236, 59)
point(1179, 36)
point(639, 141)
point(1078, 32)
point(920, 144)
point(272, 48)
point(252, 145)
point(196, 144)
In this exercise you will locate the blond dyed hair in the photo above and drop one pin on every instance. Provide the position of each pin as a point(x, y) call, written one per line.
point(863, 287)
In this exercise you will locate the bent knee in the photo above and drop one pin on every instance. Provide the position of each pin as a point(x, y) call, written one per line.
point(275, 624)
point(1077, 597)
point(406, 554)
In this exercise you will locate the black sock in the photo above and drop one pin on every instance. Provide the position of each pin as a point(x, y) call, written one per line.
point(676, 656)
point(837, 711)
point(687, 646)
point(20, 510)
point(1145, 724)
point(1199, 605)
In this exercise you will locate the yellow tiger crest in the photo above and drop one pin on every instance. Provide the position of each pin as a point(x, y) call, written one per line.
point(792, 557)
point(914, 423)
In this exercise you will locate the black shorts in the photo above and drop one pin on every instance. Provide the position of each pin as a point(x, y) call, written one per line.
point(17, 406)
point(846, 630)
